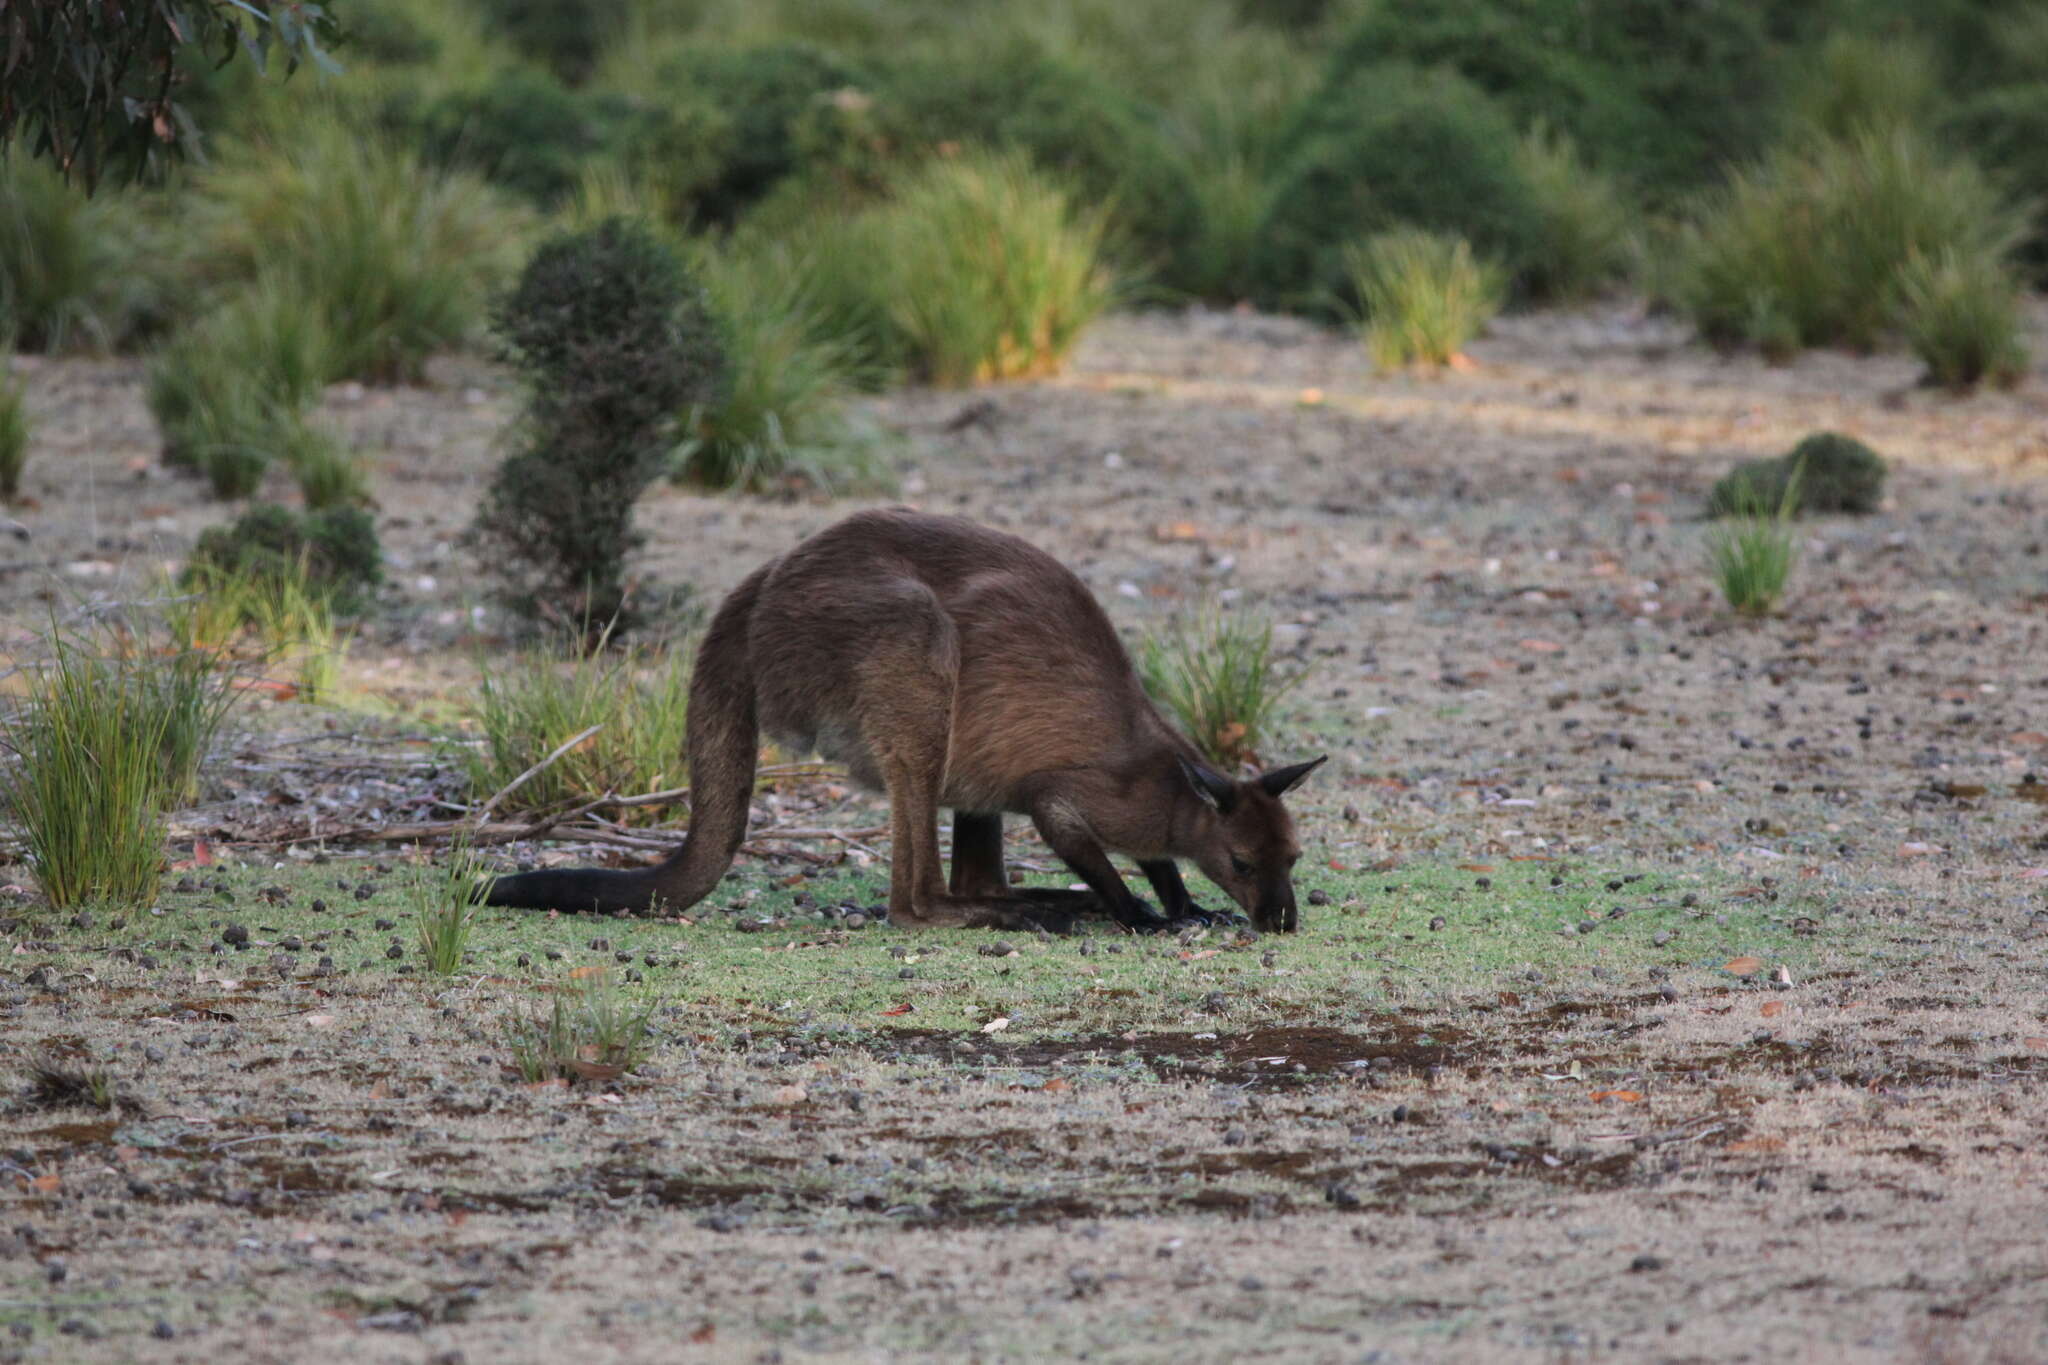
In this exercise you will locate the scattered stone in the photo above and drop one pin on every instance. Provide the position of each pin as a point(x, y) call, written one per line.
point(385, 924)
point(1319, 897)
point(997, 949)
point(1645, 1263)
point(394, 952)
point(235, 936)
point(163, 1331)
point(856, 920)
point(1436, 924)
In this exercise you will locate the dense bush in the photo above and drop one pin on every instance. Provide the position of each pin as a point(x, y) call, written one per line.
point(1805, 248)
point(1825, 472)
point(1662, 95)
point(567, 35)
point(334, 552)
point(615, 339)
point(397, 258)
point(768, 92)
point(1071, 124)
point(1392, 146)
point(1860, 83)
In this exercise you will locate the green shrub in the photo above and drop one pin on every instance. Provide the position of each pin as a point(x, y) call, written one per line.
point(782, 411)
point(1825, 472)
point(1423, 295)
point(1661, 95)
point(1392, 146)
point(992, 271)
point(1216, 676)
point(239, 374)
point(1583, 226)
point(1807, 247)
point(1860, 83)
point(767, 91)
point(73, 272)
point(1072, 125)
point(234, 468)
point(616, 340)
point(13, 435)
point(335, 550)
point(568, 36)
point(267, 615)
point(1961, 314)
point(396, 258)
point(638, 698)
point(327, 472)
point(102, 744)
point(2007, 131)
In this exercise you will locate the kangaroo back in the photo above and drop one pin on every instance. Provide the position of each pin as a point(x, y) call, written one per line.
point(724, 738)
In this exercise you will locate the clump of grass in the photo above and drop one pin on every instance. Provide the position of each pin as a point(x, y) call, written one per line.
point(1961, 313)
point(72, 274)
point(13, 435)
point(54, 1083)
point(1582, 231)
point(639, 700)
point(588, 1033)
point(1752, 555)
point(271, 617)
point(991, 270)
point(103, 743)
point(394, 258)
point(444, 901)
point(781, 412)
point(327, 472)
point(1807, 248)
point(1423, 295)
point(1217, 676)
point(1863, 82)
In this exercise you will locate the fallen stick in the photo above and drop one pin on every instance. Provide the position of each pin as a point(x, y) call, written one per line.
point(516, 783)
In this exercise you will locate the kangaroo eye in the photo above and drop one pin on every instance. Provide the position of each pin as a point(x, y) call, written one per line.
point(1240, 866)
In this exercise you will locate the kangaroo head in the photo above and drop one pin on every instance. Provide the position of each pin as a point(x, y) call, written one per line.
point(1243, 839)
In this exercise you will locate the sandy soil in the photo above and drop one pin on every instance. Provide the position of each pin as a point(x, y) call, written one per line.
point(1498, 577)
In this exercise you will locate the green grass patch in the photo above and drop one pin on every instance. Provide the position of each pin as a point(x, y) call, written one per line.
point(1423, 295)
point(1371, 946)
point(1215, 673)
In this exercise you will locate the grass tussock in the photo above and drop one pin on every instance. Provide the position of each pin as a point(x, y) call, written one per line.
point(14, 429)
point(74, 272)
point(991, 271)
point(1960, 312)
point(588, 1033)
point(781, 413)
point(55, 1083)
point(1218, 678)
point(1862, 83)
point(1423, 296)
point(396, 259)
point(637, 698)
point(1807, 248)
point(444, 898)
point(275, 620)
point(104, 743)
point(1752, 553)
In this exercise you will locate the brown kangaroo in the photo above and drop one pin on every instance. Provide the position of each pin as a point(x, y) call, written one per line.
point(951, 665)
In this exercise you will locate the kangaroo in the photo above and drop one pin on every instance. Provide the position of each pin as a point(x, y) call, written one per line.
point(947, 664)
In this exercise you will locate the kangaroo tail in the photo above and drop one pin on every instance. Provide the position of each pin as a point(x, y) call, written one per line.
point(723, 738)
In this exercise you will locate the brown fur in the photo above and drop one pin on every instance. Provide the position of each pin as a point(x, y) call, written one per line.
point(951, 665)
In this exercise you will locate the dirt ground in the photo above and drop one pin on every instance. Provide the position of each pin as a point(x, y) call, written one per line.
point(1518, 656)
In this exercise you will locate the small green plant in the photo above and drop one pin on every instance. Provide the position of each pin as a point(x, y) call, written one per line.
point(782, 412)
point(13, 435)
point(992, 271)
point(91, 776)
point(228, 393)
point(1752, 555)
point(587, 1034)
point(1583, 226)
point(1423, 296)
point(327, 472)
point(1217, 676)
point(269, 616)
point(1961, 313)
point(639, 700)
point(333, 553)
point(617, 341)
point(1825, 472)
point(444, 899)
point(72, 272)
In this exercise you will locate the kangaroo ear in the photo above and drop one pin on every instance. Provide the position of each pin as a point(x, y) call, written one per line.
point(1281, 781)
point(1216, 790)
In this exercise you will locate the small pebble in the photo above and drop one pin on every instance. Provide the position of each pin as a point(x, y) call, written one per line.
point(235, 936)
point(1319, 897)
